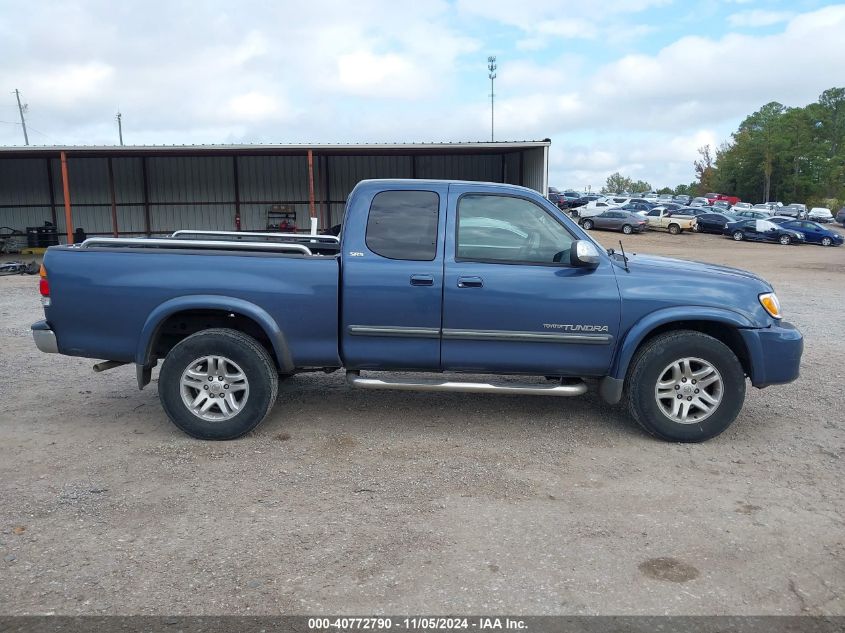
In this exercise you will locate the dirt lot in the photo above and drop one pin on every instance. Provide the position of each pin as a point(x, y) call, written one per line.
point(379, 502)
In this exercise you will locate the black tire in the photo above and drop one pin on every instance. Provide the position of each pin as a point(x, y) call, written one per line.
point(826, 241)
point(587, 224)
point(696, 228)
point(253, 360)
point(627, 229)
point(645, 371)
point(738, 236)
point(785, 240)
point(674, 229)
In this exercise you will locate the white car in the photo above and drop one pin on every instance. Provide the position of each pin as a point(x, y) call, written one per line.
point(594, 207)
point(699, 202)
point(742, 205)
point(820, 214)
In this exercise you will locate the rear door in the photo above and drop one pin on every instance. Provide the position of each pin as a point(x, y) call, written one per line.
point(508, 306)
point(392, 279)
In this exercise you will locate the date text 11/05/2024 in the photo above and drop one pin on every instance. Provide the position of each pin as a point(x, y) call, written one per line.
point(416, 623)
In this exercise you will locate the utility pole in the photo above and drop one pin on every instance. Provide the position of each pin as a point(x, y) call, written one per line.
point(119, 127)
point(22, 109)
point(491, 66)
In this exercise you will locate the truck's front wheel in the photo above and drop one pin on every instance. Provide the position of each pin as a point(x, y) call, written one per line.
point(685, 386)
point(218, 384)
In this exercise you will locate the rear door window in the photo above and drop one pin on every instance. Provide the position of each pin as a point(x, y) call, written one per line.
point(403, 225)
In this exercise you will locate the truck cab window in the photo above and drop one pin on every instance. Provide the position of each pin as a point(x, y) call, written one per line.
point(403, 225)
point(508, 229)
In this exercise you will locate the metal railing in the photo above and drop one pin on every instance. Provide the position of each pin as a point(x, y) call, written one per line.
point(146, 242)
point(300, 237)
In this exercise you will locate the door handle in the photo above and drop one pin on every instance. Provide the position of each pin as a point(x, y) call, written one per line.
point(422, 280)
point(470, 282)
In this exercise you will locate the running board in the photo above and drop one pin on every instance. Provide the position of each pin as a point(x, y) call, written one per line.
point(427, 384)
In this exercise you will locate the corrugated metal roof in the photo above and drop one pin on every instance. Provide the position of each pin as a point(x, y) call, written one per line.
point(269, 148)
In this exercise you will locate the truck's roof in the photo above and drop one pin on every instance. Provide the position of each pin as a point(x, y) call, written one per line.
point(397, 183)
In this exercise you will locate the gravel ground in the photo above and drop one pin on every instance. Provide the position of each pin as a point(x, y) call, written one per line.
point(380, 502)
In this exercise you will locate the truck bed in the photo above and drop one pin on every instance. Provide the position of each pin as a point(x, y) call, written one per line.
point(102, 298)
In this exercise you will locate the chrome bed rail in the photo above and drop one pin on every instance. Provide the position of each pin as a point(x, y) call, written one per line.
point(145, 242)
point(301, 237)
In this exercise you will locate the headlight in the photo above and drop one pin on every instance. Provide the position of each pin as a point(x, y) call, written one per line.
point(770, 303)
point(801, 235)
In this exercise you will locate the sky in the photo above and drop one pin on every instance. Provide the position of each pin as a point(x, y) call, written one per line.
point(634, 86)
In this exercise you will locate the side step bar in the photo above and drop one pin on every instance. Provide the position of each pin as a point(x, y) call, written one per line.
point(427, 384)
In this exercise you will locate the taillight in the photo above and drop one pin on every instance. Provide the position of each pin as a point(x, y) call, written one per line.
point(44, 286)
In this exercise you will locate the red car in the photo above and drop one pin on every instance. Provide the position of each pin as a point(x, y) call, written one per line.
point(713, 197)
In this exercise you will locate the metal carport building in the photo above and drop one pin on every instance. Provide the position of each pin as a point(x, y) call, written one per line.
point(153, 190)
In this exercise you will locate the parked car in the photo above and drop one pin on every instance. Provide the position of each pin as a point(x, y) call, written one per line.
point(667, 206)
point(814, 233)
point(524, 291)
point(699, 202)
point(651, 197)
point(753, 214)
point(682, 199)
point(689, 212)
point(741, 205)
point(565, 199)
point(820, 214)
point(713, 197)
point(592, 208)
point(768, 207)
point(661, 219)
point(665, 197)
point(794, 210)
point(616, 220)
point(637, 207)
point(721, 205)
point(762, 231)
point(713, 222)
point(840, 216)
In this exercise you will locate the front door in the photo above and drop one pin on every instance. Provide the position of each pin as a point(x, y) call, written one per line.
point(511, 301)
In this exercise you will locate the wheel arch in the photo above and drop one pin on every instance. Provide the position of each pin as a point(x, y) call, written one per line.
point(190, 314)
point(719, 323)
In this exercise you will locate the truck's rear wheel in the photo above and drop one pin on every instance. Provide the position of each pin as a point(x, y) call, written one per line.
point(685, 386)
point(218, 384)
point(674, 229)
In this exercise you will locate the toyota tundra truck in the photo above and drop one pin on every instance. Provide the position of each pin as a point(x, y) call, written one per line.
point(437, 286)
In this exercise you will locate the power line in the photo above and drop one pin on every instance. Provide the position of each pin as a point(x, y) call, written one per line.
point(491, 66)
point(21, 109)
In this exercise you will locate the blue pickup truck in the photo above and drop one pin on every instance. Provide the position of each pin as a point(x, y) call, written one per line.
point(426, 277)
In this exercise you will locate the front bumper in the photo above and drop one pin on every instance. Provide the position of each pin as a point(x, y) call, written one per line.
point(44, 337)
point(775, 353)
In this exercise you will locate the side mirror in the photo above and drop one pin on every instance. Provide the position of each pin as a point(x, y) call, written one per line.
point(584, 254)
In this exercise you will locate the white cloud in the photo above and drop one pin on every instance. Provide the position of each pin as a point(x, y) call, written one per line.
point(363, 72)
point(758, 17)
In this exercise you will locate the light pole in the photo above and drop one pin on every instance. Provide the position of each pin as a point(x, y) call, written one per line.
point(491, 66)
point(21, 110)
point(119, 118)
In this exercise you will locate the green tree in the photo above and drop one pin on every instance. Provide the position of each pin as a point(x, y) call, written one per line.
point(640, 186)
point(704, 168)
point(616, 182)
